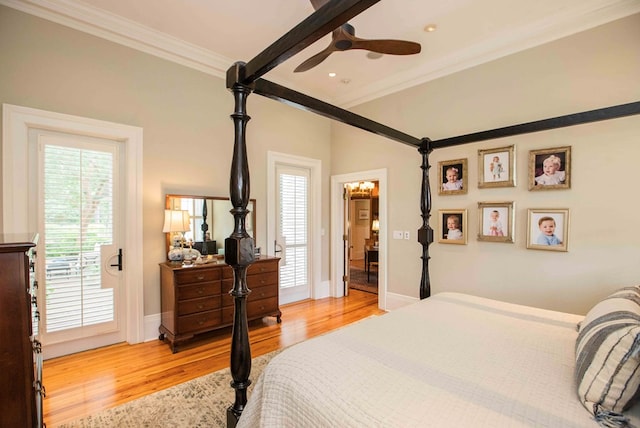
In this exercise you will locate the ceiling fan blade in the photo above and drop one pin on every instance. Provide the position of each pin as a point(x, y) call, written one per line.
point(317, 4)
point(314, 60)
point(391, 47)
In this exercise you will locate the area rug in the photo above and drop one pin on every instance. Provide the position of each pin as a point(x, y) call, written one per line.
point(201, 402)
point(358, 280)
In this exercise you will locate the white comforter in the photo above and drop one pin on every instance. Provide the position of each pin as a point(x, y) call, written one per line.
point(451, 360)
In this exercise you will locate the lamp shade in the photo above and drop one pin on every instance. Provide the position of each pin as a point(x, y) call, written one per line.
point(375, 225)
point(176, 221)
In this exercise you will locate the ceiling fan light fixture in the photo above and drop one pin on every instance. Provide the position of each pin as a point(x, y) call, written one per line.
point(332, 74)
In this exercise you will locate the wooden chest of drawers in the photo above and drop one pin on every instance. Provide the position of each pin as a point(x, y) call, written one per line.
point(21, 392)
point(196, 299)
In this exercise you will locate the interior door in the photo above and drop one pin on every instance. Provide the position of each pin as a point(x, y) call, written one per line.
point(346, 274)
point(80, 229)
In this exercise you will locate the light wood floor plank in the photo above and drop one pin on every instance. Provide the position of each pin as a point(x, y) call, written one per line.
point(88, 382)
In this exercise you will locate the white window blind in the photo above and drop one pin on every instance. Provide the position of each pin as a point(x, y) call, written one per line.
point(294, 229)
point(78, 218)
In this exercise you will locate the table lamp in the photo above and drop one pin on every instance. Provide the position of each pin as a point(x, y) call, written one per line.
point(375, 226)
point(176, 222)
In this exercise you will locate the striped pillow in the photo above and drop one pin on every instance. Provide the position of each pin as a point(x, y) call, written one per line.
point(608, 356)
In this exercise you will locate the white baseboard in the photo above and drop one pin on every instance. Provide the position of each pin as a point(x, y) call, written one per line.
point(323, 290)
point(151, 324)
point(395, 301)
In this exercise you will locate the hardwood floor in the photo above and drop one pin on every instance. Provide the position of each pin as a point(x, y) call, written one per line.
point(85, 383)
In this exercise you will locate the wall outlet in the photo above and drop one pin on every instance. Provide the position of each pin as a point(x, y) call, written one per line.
point(397, 234)
point(407, 235)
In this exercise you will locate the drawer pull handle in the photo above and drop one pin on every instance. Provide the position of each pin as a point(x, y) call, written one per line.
point(200, 290)
point(200, 278)
point(200, 306)
point(262, 282)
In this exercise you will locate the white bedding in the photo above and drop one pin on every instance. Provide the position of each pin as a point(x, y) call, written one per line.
point(451, 360)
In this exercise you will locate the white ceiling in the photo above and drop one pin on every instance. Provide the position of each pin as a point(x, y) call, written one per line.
point(210, 35)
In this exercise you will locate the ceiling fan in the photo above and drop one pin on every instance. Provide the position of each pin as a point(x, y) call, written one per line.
point(344, 38)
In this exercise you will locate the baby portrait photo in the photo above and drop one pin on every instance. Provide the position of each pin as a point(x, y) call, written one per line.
point(496, 167)
point(548, 229)
point(495, 221)
point(452, 176)
point(453, 226)
point(550, 169)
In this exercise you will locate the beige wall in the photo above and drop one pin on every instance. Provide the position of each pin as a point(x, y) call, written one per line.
point(188, 139)
point(188, 134)
point(594, 69)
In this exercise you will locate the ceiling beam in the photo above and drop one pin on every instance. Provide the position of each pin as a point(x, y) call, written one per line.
point(323, 21)
point(304, 102)
point(606, 113)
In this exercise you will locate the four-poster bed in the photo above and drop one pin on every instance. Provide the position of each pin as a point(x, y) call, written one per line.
point(245, 78)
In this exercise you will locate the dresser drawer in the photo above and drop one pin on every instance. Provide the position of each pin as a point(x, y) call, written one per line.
point(206, 289)
point(254, 268)
point(262, 306)
point(258, 280)
point(253, 281)
point(270, 290)
point(188, 276)
point(192, 306)
point(199, 321)
point(255, 309)
point(264, 292)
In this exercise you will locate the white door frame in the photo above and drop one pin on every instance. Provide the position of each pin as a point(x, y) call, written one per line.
point(337, 230)
point(315, 210)
point(19, 186)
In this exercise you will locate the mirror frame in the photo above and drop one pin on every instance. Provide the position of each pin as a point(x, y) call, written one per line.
point(167, 205)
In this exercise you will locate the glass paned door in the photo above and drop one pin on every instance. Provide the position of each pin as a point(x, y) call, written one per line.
point(292, 226)
point(78, 207)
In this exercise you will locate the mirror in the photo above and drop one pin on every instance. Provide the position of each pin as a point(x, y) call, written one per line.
point(214, 212)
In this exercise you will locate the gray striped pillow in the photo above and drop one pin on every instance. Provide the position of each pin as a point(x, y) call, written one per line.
point(608, 356)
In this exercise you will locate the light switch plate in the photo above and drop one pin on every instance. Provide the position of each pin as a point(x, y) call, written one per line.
point(397, 234)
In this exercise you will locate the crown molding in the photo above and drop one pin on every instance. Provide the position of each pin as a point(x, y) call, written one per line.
point(114, 28)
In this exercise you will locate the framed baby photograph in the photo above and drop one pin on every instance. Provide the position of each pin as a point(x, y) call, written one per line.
point(496, 167)
point(453, 226)
point(550, 169)
point(548, 229)
point(496, 221)
point(452, 176)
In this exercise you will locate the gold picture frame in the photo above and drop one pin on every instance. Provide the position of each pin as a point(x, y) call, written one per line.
point(548, 229)
point(550, 169)
point(449, 168)
point(496, 167)
point(459, 221)
point(496, 221)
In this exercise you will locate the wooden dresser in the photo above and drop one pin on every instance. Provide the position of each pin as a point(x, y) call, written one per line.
point(20, 351)
point(196, 299)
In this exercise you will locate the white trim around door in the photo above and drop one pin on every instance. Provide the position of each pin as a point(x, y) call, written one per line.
point(19, 186)
point(337, 230)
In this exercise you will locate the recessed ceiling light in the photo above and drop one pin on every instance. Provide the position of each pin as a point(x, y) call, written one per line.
point(430, 28)
point(332, 74)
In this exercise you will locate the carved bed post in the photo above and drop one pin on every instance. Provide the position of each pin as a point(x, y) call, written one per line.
point(425, 233)
point(239, 247)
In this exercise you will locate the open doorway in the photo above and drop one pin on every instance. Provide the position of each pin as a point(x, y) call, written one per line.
point(339, 232)
point(363, 226)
